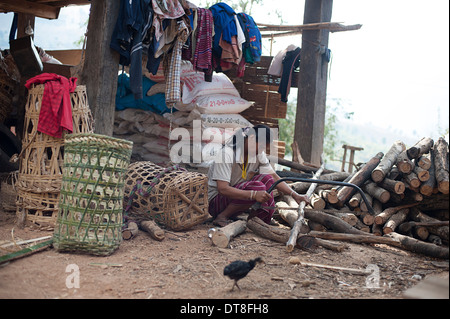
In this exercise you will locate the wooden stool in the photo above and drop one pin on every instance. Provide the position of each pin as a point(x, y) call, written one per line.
point(352, 157)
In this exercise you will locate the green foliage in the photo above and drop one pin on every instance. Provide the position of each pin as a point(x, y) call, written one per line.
point(332, 141)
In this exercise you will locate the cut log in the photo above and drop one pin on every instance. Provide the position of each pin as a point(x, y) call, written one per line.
point(420, 232)
point(395, 220)
point(383, 217)
point(360, 177)
point(288, 213)
point(426, 188)
point(222, 236)
point(131, 231)
point(422, 174)
point(424, 146)
point(392, 239)
point(301, 214)
point(363, 205)
point(377, 192)
point(392, 186)
point(347, 217)
point(317, 202)
point(411, 179)
point(441, 165)
point(367, 218)
point(404, 163)
point(152, 229)
point(441, 231)
point(302, 187)
point(281, 235)
point(419, 246)
point(412, 229)
point(385, 165)
point(377, 230)
point(355, 200)
point(331, 222)
point(394, 173)
point(424, 161)
point(330, 196)
point(362, 227)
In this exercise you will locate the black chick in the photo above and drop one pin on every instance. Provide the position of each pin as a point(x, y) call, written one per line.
point(239, 269)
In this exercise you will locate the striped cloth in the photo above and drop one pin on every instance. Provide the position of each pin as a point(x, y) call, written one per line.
point(203, 48)
point(261, 182)
point(173, 84)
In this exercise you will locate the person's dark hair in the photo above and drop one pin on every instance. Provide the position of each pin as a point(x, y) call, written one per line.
point(260, 131)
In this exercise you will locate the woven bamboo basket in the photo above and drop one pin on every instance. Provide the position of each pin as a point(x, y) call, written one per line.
point(8, 193)
point(90, 214)
point(171, 196)
point(41, 160)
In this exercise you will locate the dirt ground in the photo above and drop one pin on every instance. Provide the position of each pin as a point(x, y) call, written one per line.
point(187, 265)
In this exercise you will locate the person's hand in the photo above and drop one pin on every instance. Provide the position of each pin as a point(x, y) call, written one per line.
point(262, 196)
point(300, 198)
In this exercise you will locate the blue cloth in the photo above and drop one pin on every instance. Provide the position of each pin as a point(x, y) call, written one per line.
point(125, 98)
point(252, 46)
point(127, 38)
point(224, 25)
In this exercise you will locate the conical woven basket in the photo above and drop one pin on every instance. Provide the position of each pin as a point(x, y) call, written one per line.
point(90, 215)
point(171, 196)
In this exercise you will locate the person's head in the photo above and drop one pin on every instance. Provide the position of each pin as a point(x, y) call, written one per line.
point(253, 140)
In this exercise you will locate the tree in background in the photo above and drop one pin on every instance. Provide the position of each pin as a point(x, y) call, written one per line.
point(332, 140)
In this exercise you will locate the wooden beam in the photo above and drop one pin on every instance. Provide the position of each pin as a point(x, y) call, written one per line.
point(101, 65)
point(28, 7)
point(310, 118)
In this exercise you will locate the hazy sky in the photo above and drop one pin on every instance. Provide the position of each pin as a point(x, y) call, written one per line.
point(392, 73)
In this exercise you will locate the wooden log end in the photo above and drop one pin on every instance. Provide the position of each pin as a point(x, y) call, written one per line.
point(368, 219)
point(399, 188)
point(377, 175)
point(220, 240)
point(443, 187)
point(379, 220)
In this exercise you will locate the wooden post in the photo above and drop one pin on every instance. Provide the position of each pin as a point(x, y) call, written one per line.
point(101, 65)
point(310, 118)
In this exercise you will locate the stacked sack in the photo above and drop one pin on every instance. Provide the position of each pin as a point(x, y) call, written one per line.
point(148, 131)
point(217, 105)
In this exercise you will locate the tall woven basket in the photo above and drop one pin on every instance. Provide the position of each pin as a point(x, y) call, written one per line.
point(40, 169)
point(90, 215)
point(171, 196)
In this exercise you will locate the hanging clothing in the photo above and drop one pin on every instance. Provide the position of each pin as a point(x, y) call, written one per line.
point(224, 26)
point(173, 79)
point(131, 28)
point(56, 108)
point(290, 63)
point(252, 46)
point(276, 66)
point(165, 9)
point(202, 59)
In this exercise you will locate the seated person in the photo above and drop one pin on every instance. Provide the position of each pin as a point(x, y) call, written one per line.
point(241, 175)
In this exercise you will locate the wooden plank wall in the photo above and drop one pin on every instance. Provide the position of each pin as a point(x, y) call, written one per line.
point(261, 88)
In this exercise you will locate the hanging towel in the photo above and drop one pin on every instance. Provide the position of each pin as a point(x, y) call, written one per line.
point(56, 108)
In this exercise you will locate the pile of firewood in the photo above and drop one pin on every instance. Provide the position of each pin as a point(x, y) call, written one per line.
point(407, 189)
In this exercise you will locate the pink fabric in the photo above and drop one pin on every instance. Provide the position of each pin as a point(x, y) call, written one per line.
point(260, 182)
point(56, 108)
